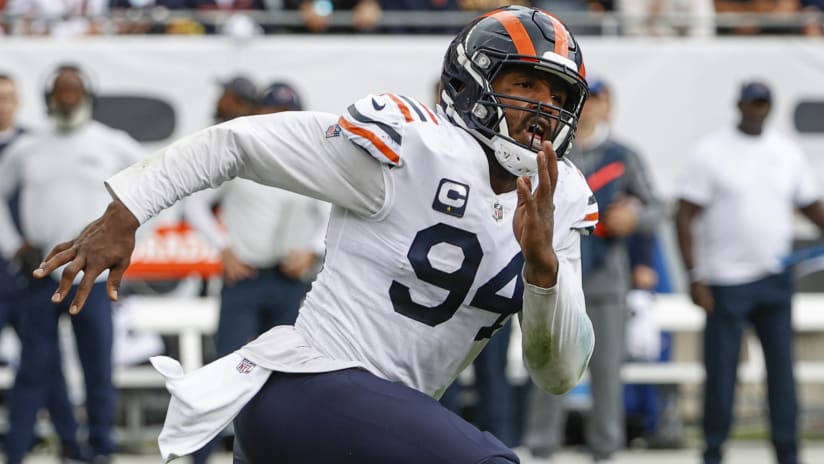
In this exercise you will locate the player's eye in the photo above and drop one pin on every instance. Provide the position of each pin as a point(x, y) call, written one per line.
point(559, 98)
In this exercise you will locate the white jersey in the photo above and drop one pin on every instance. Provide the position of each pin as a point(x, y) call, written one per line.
point(442, 270)
point(422, 265)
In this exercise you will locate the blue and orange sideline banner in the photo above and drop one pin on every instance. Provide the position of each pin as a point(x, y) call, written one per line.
point(171, 253)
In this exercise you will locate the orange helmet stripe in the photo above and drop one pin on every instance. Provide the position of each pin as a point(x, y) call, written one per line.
point(561, 37)
point(516, 30)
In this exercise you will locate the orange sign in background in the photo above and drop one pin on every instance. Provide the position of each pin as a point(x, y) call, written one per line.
point(171, 253)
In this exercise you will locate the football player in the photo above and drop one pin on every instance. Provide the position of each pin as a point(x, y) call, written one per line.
point(445, 223)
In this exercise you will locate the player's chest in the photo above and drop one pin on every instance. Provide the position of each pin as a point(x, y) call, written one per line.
point(453, 245)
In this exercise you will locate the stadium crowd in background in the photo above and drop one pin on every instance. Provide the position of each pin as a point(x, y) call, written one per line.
point(245, 18)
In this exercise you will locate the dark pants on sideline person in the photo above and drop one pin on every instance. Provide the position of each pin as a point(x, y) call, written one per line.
point(352, 416)
point(494, 410)
point(13, 301)
point(40, 366)
point(766, 304)
point(247, 309)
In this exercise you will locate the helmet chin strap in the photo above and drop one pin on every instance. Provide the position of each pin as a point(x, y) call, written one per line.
point(517, 160)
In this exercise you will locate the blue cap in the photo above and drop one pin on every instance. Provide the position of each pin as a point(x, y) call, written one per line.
point(755, 91)
point(281, 95)
point(597, 86)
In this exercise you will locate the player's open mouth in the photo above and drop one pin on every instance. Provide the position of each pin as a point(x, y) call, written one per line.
point(536, 135)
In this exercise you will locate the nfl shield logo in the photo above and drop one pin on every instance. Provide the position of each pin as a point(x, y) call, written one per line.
point(245, 366)
point(497, 211)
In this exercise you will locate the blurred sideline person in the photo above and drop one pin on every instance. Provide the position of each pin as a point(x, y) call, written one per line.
point(270, 242)
point(618, 178)
point(238, 98)
point(57, 172)
point(745, 184)
point(15, 283)
point(444, 225)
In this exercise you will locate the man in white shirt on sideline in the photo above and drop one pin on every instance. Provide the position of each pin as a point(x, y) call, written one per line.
point(444, 224)
point(270, 242)
point(745, 184)
point(58, 172)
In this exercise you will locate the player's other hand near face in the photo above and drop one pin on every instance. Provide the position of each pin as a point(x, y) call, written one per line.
point(534, 221)
point(106, 243)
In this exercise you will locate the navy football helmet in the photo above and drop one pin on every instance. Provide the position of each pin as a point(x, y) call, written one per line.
point(512, 36)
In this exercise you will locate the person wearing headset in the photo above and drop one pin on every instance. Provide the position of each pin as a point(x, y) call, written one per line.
point(56, 171)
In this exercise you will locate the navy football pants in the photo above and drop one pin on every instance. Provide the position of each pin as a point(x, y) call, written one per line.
point(354, 417)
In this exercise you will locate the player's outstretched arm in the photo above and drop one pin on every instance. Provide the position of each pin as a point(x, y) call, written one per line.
point(287, 150)
point(558, 337)
point(105, 244)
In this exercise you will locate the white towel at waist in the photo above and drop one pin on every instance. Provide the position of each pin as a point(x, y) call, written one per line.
point(207, 399)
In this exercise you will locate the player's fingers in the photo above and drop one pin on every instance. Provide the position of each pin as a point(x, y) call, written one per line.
point(524, 184)
point(82, 293)
point(115, 277)
point(58, 256)
point(67, 278)
point(58, 249)
point(543, 189)
point(552, 164)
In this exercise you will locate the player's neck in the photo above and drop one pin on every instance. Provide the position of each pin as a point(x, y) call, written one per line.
point(500, 179)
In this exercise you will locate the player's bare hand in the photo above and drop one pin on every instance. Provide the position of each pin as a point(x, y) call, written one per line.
point(234, 269)
point(534, 220)
point(106, 243)
point(702, 296)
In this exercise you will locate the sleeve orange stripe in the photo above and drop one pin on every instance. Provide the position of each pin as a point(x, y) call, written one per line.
point(387, 152)
point(561, 38)
point(431, 116)
point(516, 30)
point(402, 106)
point(591, 216)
